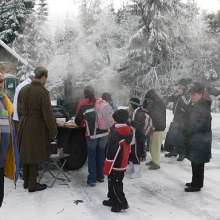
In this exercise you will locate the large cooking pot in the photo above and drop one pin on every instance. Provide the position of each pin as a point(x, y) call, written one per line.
point(73, 142)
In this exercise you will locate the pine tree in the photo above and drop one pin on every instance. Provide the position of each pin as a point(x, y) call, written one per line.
point(168, 45)
point(24, 45)
point(35, 45)
point(43, 46)
point(89, 11)
point(148, 48)
point(13, 15)
point(42, 11)
point(106, 33)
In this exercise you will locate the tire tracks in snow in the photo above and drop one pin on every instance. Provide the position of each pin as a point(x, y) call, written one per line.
point(93, 197)
point(180, 199)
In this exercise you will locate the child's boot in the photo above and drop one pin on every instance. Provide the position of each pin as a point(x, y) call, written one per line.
point(130, 168)
point(137, 170)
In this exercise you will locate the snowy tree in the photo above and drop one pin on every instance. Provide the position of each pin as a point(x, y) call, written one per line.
point(106, 34)
point(42, 11)
point(88, 52)
point(128, 23)
point(171, 43)
point(213, 30)
point(13, 14)
point(94, 55)
point(149, 46)
point(35, 44)
point(151, 43)
point(43, 46)
point(199, 48)
point(89, 11)
point(23, 45)
point(68, 41)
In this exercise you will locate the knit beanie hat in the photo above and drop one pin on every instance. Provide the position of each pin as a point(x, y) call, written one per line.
point(135, 102)
point(183, 82)
point(121, 116)
point(31, 74)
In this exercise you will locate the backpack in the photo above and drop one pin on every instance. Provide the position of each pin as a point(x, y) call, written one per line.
point(104, 114)
point(148, 124)
point(206, 95)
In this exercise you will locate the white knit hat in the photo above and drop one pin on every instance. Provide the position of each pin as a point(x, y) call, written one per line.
point(32, 73)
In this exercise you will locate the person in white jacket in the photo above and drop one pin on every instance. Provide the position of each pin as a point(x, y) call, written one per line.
point(17, 90)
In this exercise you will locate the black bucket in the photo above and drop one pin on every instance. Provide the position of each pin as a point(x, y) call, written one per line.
point(53, 146)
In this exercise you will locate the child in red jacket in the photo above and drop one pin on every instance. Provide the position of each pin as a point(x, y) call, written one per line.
point(117, 154)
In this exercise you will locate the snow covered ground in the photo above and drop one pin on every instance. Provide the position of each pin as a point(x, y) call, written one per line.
point(157, 195)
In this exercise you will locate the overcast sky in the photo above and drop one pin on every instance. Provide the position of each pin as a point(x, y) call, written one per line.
point(211, 5)
point(58, 7)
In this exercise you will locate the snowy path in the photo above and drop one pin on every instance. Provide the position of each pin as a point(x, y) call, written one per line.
point(157, 195)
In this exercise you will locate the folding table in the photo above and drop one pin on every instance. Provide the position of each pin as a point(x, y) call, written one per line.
point(55, 160)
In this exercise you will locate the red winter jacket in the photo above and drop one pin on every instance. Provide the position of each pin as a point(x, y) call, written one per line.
point(118, 149)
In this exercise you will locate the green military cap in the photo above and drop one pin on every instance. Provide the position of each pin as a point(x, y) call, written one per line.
point(40, 70)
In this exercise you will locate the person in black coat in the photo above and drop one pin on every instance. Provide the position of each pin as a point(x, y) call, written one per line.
point(136, 122)
point(199, 135)
point(174, 142)
point(157, 112)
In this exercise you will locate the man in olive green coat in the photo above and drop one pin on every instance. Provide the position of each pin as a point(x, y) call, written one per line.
point(36, 128)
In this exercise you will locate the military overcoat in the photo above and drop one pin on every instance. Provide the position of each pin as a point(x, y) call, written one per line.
point(36, 123)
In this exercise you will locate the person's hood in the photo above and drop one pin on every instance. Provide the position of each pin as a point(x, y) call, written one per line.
point(151, 95)
point(125, 131)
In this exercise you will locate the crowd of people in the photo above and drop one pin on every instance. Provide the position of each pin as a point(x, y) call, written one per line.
point(192, 138)
point(112, 151)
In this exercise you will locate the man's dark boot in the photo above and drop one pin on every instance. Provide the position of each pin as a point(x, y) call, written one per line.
point(181, 152)
point(33, 186)
point(192, 189)
point(1, 185)
point(36, 187)
point(170, 155)
point(119, 207)
point(25, 185)
point(109, 202)
point(181, 157)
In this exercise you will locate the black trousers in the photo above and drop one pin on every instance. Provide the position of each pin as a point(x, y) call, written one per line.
point(1, 185)
point(141, 147)
point(134, 155)
point(197, 174)
point(176, 150)
point(115, 188)
point(180, 150)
